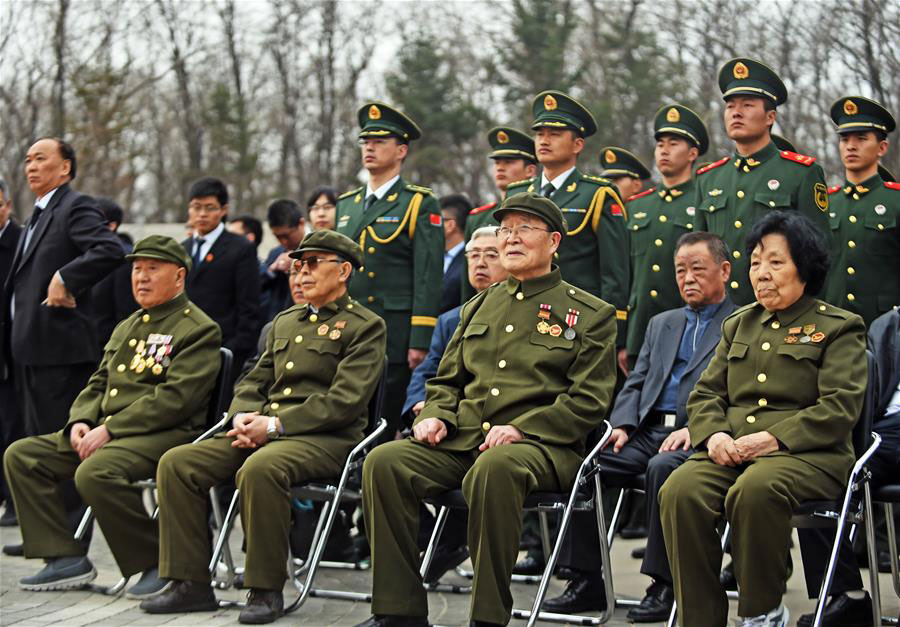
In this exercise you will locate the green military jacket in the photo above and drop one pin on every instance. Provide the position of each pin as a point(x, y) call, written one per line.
point(594, 254)
point(799, 374)
point(317, 373)
point(733, 194)
point(656, 219)
point(153, 385)
point(514, 360)
point(478, 217)
point(865, 247)
point(402, 238)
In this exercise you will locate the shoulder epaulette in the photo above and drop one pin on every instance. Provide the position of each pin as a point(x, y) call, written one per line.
point(641, 194)
point(350, 193)
point(418, 188)
point(522, 182)
point(483, 208)
point(892, 185)
point(595, 179)
point(713, 165)
point(740, 310)
point(827, 309)
point(584, 297)
point(834, 189)
point(797, 157)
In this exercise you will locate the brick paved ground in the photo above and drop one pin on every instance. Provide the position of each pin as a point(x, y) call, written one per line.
point(18, 607)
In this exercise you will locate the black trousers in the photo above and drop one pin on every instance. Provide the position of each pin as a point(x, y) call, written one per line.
point(640, 454)
point(815, 544)
point(12, 427)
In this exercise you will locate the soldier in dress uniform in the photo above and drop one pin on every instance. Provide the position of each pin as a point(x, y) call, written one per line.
point(864, 213)
point(513, 160)
point(295, 417)
point(658, 217)
point(399, 227)
point(527, 375)
point(149, 393)
point(624, 169)
point(735, 192)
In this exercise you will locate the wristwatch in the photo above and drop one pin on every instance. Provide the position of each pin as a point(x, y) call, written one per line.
point(272, 430)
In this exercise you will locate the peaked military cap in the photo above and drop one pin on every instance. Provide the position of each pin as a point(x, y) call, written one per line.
point(536, 205)
point(511, 143)
point(679, 120)
point(377, 119)
point(747, 77)
point(556, 109)
point(855, 113)
point(781, 143)
point(618, 162)
point(163, 248)
point(330, 242)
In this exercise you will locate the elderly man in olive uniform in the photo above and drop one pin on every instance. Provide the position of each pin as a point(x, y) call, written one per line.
point(594, 254)
point(624, 169)
point(399, 227)
point(296, 416)
point(864, 214)
point(658, 217)
point(734, 192)
point(149, 393)
point(527, 375)
point(513, 159)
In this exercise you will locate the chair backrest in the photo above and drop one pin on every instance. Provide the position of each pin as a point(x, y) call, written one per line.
point(376, 403)
point(220, 392)
point(862, 432)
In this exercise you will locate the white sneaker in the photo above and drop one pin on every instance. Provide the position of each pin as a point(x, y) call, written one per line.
point(778, 617)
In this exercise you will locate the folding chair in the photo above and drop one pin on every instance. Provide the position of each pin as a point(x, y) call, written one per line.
point(332, 494)
point(214, 419)
point(838, 513)
point(887, 495)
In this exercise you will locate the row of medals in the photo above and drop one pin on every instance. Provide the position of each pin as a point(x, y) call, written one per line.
point(544, 328)
point(335, 333)
point(809, 335)
point(157, 359)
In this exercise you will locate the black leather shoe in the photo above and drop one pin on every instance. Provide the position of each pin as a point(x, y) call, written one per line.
point(9, 519)
point(529, 565)
point(16, 550)
point(639, 552)
point(445, 560)
point(632, 532)
point(842, 611)
point(182, 596)
point(263, 606)
point(387, 620)
point(483, 623)
point(727, 578)
point(582, 594)
point(655, 606)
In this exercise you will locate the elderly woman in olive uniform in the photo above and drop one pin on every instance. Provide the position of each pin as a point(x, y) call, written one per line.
point(772, 418)
point(527, 375)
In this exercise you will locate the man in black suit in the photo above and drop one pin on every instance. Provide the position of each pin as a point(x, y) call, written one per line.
point(650, 423)
point(112, 296)
point(455, 210)
point(288, 224)
point(224, 280)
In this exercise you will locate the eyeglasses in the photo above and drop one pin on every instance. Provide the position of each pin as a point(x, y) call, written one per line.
point(204, 208)
point(313, 262)
point(523, 231)
point(487, 255)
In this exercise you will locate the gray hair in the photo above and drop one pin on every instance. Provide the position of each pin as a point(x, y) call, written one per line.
point(484, 231)
point(715, 244)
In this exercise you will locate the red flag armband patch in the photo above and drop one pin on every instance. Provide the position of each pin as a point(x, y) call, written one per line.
point(435, 219)
point(615, 209)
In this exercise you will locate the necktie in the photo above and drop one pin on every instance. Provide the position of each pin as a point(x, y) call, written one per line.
point(198, 244)
point(370, 200)
point(32, 223)
point(547, 190)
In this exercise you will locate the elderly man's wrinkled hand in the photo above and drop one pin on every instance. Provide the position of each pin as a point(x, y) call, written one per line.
point(755, 445)
point(678, 439)
point(430, 431)
point(721, 449)
point(500, 435)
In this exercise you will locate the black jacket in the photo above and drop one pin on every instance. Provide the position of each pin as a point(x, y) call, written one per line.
point(452, 292)
point(884, 341)
point(8, 242)
point(113, 298)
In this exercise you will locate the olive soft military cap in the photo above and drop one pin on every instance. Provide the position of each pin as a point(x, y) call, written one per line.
point(511, 143)
point(330, 242)
point(855, 114)
point(618, 162)
point(377, 119)
point(536, 205)
point(163, 248)
point(746, 77)
point(556, 109)
point(678, 120)
point(782, 143)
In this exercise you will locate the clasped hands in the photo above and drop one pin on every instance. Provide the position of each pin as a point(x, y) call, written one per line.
point(433, 430)
point(85, 441)
point(249, 430)
point(726, 451)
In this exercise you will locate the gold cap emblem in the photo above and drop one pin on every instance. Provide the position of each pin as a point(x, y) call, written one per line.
point(549, 102)
point(502, 137)
point(740, 70)
point(609, 156)
point(672, 115)
point(374, 113)
point(850, 107)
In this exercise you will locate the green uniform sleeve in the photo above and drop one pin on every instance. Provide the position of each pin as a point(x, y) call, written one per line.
point(812, 200)
point(700, 208)
point(615, 264)
point(428, 273)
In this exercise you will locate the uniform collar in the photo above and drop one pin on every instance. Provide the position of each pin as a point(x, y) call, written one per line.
point(861, 189)
point(676, 190)
point(530, 287)
point(166, 309)
point(328, 309)
point(787, 316)
point(756, 159)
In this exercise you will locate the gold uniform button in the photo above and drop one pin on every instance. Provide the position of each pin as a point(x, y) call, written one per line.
point(371, 275)
point(350, 306)
point(761, 377)
point(738, 224)
point(362, 268)
point(132, 342)
point(852, 219)
point(851, 244)
point(298, 339)
point(287, 391)
point(689, 225)
point(736, 254)
point(114, 392)
point(571, 292)
point(274, 406)
point(495, 392)
point(668, 199)
point(634, 227)
point(762, 402)
point(663, 218)
point(766, 346)
point(771, 203)
point(509, 328)
point(107, 419)
point(313, 318)
point(735, 285)
point(371, 299)
point(776, 325)
point(289, 365)
point(486, 426)
point(520, 296)
point(120, 368)
point(653, 293)
point(658, 242)
point(371, 249)
point(851, 270)
point(855, 196)
point(851, 297)
point(751, 419)
point(656, 267)
point(880, 227)
point(822, 307)
point(187, 311)
point(146, 317)
point(740, 193)
point(502, 363)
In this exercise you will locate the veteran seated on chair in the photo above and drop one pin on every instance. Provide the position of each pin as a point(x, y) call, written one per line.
point(527, 375)
point(149, 394)
point(771, 419)
point(296, 416)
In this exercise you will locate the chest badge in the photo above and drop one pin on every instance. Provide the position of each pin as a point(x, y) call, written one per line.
point(791, 339)
point(880, 209)
point(323, 329)
point(571, 321)
point(340, 324)
point(334, 335)
point(817, 337)
point(556, 330)
point(774, 184)
point(715, 192)
point(690, 211)
point(543, 327)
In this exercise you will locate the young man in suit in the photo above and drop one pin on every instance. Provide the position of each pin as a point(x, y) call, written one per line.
point(287, 222)
point(454, 212)
point(650, 423)
point(224, 279)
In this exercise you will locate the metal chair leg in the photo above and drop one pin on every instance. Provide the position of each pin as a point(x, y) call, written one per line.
point(224, 532)
point(87, 519)
point(433, 541)
point(872, 550)
point(226, 549)
point(892, 546)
